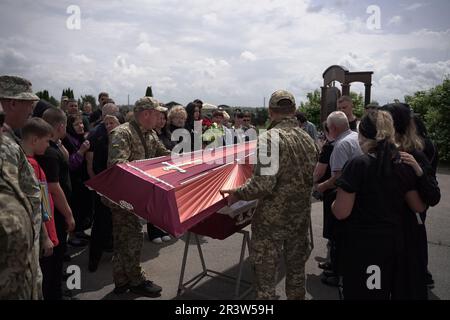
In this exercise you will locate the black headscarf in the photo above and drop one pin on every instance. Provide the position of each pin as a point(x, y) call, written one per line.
point(190, 110)
point(40, 108)
point(401, 114)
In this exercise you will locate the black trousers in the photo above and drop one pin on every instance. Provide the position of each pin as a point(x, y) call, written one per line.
point(423, 242)
point(101, 233)
point(52, 267)
point(154, 232)
point(51, 281)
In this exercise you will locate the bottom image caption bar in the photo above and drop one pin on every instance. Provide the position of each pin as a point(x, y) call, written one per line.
point(231, 309)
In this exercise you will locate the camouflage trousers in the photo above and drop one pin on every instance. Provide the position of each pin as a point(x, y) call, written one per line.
point(128, 241)
point(20, 273)
point(265, 254)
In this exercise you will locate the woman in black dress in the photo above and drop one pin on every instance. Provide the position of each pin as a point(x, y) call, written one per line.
point(375, 197)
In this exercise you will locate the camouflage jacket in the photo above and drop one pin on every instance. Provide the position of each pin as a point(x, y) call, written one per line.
point(27, 179)
point(284, 195)
point(20, 275)
point(125, 145)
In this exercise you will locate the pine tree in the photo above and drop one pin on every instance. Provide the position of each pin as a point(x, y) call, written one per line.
point(68, 93)
point(44, 95)
point(89, 98)
point(149, 92)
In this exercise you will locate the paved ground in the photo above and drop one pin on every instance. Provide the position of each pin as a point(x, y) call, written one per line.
point(163, 262)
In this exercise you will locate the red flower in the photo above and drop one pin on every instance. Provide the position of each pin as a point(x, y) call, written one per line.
point(206, 123)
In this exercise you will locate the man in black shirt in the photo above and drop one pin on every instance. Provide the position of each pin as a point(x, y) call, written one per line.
point(97, 159)
point(56, 167)
point(95, 116)
point(345, 104)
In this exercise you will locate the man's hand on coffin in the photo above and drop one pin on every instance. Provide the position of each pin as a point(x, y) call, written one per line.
point(231, 197)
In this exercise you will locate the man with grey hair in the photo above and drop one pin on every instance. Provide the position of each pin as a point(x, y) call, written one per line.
point(346, 147)
point(345, 104)
point(20, 214)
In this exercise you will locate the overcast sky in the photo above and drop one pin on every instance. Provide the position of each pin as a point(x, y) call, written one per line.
point(223, 52)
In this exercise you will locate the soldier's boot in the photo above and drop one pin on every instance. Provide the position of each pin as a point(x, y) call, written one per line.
point(147, 288)
point(121, 289)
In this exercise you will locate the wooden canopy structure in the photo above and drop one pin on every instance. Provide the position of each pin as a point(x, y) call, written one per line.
point(330, 93)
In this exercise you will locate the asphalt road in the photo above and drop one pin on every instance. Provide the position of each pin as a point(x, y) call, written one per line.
point(162, 263)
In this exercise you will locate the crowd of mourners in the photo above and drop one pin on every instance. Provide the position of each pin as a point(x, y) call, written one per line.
point(376, 177)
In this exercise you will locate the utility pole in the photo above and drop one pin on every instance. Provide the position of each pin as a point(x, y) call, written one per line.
point(128, 100)
point(264, 102)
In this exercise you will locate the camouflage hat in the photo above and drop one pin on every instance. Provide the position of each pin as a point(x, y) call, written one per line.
point(372, 105)
point(279, 95)
point(16, 88)
point(148, 103)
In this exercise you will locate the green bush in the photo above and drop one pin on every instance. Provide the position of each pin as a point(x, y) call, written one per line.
point(433, 106)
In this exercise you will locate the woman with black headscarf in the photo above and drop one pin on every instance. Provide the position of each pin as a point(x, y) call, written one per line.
point(375, 193)
point(193, 111)
point(81, 199)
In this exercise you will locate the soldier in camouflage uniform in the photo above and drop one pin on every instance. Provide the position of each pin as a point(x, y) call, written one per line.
point(21, 222)
point(127, 144)
point(281, 221)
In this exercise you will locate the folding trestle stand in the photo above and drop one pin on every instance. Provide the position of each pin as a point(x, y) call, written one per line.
point(189, 285)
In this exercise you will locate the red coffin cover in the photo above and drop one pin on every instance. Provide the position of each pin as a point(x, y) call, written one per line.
point(181, 194)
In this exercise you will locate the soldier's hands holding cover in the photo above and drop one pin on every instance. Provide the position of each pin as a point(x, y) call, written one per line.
point(231, 198)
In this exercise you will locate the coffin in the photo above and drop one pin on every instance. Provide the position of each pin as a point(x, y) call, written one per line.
point(182, 194)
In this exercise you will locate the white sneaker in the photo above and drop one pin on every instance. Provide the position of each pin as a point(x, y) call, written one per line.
point(157, 240)
point(166, 238)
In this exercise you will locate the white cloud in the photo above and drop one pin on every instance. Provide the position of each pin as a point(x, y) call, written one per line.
point(121, 65)
point(415, 6)
point(247, 55)
point(232, 52)
point(409, 63)
point(395, 21)
point(211, 19)
point(80, 58)
point(146, 49)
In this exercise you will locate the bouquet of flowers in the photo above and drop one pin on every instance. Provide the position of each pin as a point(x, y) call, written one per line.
point(213, 133)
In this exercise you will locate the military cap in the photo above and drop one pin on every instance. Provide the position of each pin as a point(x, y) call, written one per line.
point(148, 103)
point(279, 95)
point(16, 88)
point(372, 105)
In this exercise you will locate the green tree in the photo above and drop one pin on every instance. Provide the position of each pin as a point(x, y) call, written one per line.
point(88, 98)
point(149, 92)
point(261, 116)
point(68, 93)
point(312, 106)
point(433, 106)
point(358, 104)
point(44, 95)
